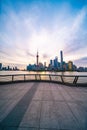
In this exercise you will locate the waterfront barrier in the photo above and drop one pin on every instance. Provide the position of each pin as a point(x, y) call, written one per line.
point(63, 79)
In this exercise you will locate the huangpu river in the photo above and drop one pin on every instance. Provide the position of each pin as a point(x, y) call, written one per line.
point(43, 72)
point(81, 79)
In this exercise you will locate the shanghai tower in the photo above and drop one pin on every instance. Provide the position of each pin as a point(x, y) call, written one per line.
point(61, 57)
point(37, 58)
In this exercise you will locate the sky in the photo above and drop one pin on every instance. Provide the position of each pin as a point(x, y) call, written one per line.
point(48, 26)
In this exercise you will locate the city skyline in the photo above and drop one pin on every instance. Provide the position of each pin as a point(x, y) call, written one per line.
point(46, 25)
point(54, 65)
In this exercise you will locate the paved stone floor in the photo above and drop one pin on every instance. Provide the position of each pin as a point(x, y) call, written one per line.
point(42, 106)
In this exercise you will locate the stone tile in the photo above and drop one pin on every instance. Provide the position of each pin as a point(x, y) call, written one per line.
point(48, 115)
point(38, 95)
point(65, 116)
point(9, 128)
point(27, 128)
point(57, 96)
point(32, 115)
point(65, 94)
point(52, 106)
point(80, 114)
point(47, 95)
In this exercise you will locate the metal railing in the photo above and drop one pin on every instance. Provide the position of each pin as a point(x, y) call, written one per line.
point(64, 79)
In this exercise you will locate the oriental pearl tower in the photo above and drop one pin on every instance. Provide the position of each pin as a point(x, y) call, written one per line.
point(37, 58)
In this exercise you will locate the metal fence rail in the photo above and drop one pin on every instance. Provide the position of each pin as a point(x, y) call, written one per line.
point(71, 79)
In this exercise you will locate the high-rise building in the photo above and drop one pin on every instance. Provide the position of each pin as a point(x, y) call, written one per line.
point(70, 65)
point(61, 58)
point(44, 64)
point(56, 62)
point(0, 66)
point(51, 62)
point(37, 59)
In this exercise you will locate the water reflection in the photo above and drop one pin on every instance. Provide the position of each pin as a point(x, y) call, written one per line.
point(43, 72)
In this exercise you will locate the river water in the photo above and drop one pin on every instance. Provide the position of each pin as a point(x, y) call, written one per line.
point(44, 72)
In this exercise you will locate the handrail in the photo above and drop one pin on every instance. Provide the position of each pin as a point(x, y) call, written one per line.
point(45, 74)
point(73, 79)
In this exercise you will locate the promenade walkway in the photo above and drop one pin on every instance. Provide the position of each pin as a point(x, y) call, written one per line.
point(42, 106)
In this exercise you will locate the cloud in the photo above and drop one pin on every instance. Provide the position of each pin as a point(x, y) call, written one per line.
point(45, 56)
point(29, 54)
point(81, 61)
point(77, 35)
point(84, 59)
point(36, 27)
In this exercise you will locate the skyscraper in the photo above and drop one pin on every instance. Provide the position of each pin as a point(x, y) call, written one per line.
point(37, 58)
point(0, 66)
point(61, 57)
point(51, 62)
point(56, 62)
point(70, 65)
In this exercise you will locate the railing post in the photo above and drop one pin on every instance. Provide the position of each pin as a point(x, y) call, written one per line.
point(50, 77)
point(62, 79)
point(12, 78)
point(24, 77)
point(40, 76)
point(35, 77)
point(75, 79)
